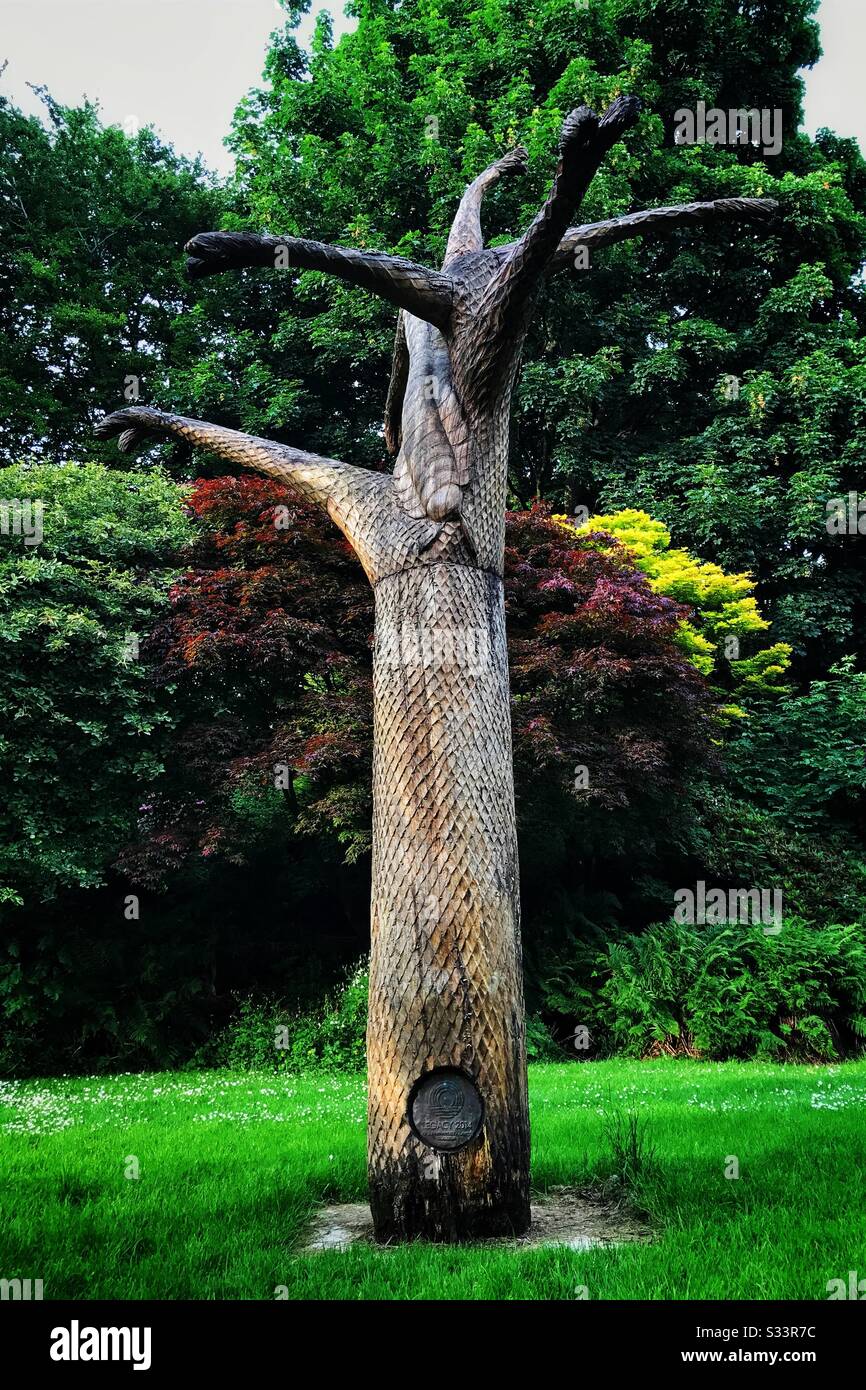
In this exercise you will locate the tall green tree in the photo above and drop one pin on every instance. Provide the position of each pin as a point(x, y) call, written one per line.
point(714, 381)
point(79, 721)
point(86, 562)
point(92, 290)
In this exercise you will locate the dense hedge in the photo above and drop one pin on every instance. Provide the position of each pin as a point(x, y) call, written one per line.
point(714, 992)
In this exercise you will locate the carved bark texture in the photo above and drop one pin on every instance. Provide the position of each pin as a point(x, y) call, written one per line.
point(445, 971)
point(446, 996)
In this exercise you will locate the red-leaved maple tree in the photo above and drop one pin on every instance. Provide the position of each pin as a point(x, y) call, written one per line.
point(268, 647)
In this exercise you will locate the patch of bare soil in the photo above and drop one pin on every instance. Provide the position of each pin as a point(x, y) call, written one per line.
point(566, 1216)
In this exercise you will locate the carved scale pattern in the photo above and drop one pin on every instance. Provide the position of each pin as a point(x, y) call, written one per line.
point(445, 972)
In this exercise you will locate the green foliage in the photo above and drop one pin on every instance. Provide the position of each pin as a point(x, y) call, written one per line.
point(723, 605)
point(265, 1036)
point(92, 291)
point(80, 727)
point(720, 991)
point(82, 730)
point(803, 759)
point(540, 1045)
point(736, 841)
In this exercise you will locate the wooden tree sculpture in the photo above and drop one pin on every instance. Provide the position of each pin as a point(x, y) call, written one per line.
point(448, 1132)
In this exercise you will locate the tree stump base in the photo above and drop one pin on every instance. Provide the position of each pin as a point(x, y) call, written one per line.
point(571, 1217)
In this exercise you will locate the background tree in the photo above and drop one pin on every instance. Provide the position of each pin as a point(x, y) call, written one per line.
point(82, 732)
point(726, 637)
point(627, 397)
point(83, 316)
point(81, 722)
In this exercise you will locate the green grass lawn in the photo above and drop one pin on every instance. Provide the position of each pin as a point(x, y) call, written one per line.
point(231, 1164)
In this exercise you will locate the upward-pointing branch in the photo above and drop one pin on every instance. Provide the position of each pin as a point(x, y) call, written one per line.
point(597, 234)
point(584, 142)
point(465, 235)
point(428, 294)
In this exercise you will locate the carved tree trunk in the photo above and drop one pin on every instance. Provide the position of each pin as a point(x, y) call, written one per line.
point(448, 1121)
point(446, 995)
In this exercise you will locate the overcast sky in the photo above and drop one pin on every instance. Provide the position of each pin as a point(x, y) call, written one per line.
point(182, 65)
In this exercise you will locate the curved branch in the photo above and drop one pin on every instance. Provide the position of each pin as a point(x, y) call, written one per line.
point(597, 234)
point(354, 498)
point(363, 504)
point(428, 294)
point(465, 235)
point(308, 474)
